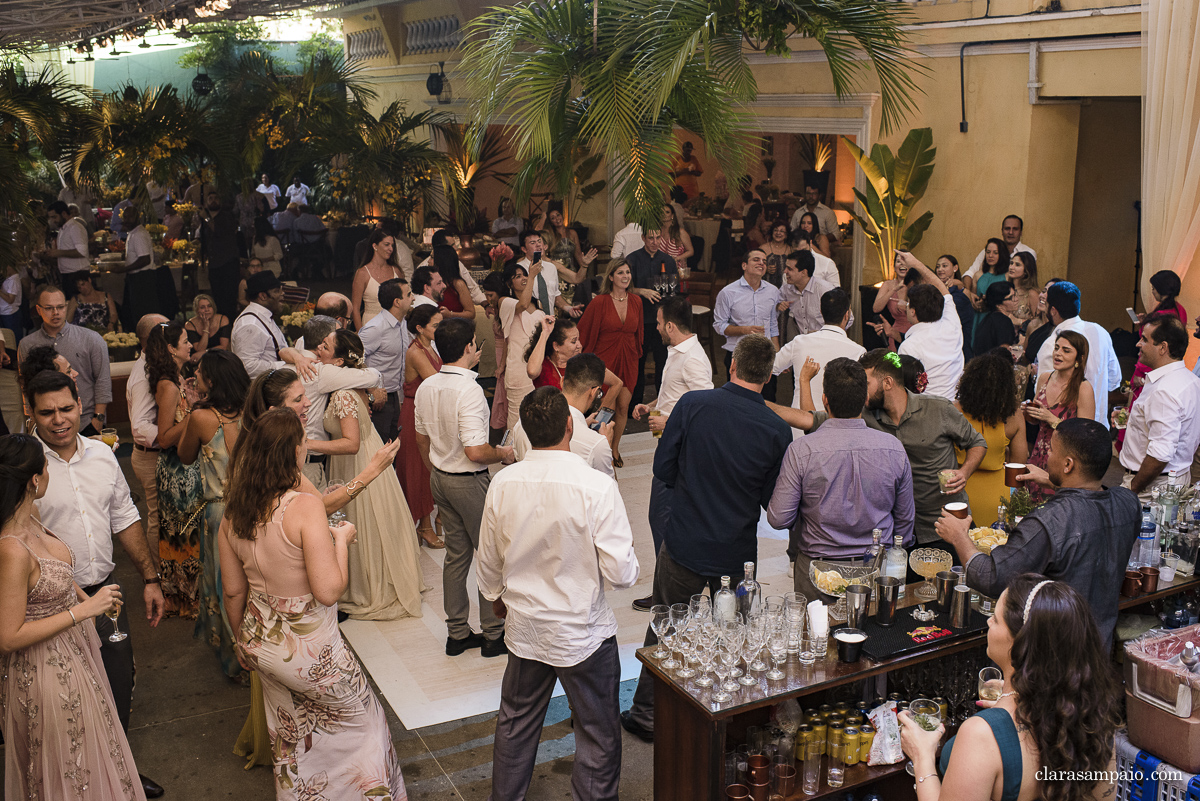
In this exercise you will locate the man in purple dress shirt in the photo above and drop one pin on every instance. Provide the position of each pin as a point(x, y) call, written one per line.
point(842, 481)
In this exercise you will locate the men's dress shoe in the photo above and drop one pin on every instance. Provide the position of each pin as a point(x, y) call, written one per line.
point(644, 604)
point(151, 788)
point(636, 729)
point(455, 647)
point(494, 647)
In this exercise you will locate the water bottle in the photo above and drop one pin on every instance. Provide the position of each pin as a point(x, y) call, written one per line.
point(896, 563)
point(725, 603)
point(1146, 541)
point(748, 593)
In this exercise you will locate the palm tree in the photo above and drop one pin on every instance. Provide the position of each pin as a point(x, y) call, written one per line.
point(35, 115)
point(619, 75)
point(151, 135)
point(465, 169)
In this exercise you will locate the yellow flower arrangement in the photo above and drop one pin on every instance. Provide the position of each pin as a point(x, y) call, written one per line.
point(119, 340)
point(298, 318)
point(181, 245)
point(185, 208)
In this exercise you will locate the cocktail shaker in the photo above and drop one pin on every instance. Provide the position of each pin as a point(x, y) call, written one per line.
point(960, 606)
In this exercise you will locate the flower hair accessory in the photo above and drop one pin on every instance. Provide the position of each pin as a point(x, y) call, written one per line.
point(922, 381)
point(1029, 601)
point(893, 359)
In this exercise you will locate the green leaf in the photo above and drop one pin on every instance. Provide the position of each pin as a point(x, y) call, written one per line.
point(914, 164)
point(915, 231)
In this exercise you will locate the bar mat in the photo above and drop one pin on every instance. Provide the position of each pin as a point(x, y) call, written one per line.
point(907, 634)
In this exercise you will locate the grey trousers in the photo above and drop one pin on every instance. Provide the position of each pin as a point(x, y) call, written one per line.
point(459, 499)
point(593, 688)
point(673, 584)
point(387, 419)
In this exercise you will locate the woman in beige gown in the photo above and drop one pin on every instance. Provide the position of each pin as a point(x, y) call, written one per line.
point(385, 574)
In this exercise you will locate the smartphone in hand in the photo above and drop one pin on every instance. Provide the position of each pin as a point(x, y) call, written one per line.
point(602, 417)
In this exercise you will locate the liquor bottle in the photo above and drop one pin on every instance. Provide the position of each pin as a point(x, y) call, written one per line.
point(1001, 523)
point(724, 602)
point(896, 563)
point(749, 593)
point(873, 558)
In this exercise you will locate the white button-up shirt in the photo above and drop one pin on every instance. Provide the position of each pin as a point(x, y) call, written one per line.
point(687, 368)
point(553, 531)
point(1102, 371)
point(627, 240)
point(139, 244)
point(256, 340)
point(739, 304)
point(73, 236)
point(1164, 422)
point(825, 344)
point(939, 346)
point(550, 273)
point(589, 445)
point(452, 411)
point(826, 268)
point(384, 346)
point(977, 265)
point(87, 501)
point(143, 409)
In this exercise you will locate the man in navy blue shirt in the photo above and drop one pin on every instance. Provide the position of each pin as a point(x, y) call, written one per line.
point(720, 454)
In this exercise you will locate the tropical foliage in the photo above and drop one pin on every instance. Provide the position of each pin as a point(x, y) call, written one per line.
point(618, 76)
point(466, 169)
point(895, 183)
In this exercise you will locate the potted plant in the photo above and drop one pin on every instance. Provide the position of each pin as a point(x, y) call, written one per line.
point(121, 347)
point(817, 150)
point(895, 183)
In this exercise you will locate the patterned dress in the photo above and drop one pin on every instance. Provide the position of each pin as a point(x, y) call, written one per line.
point(212, 624)
point(330, 738)
point(1041, 448)
point(92, 315)
point(62, 736)
point(180, 508)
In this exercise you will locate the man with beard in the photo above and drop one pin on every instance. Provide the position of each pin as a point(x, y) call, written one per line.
point(1083, 535)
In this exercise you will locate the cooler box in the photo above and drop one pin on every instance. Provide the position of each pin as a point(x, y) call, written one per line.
point(1163, 698)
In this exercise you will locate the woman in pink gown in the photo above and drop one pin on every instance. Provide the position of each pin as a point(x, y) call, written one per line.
point(62, 736)
point(283, 568)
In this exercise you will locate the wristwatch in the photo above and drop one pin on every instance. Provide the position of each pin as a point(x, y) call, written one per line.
point(156, 580)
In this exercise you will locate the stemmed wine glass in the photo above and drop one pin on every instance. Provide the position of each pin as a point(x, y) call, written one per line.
point(721, 668)
point(733, 637)
point(760, 630)
point(339, 516)
point(679, 619)
point(685, 641)
point(112, 613)
point(706, 637)
point(752, 645)
point(777, 644)
point(660, 622)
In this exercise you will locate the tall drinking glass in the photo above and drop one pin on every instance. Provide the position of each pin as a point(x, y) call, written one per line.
point(660, 623)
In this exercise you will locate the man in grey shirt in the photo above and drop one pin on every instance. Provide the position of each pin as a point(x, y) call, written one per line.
point(83, 348)
point(1083, 535)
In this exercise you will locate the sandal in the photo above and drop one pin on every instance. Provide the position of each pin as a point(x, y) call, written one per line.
point(435, 544)
point(618, 461)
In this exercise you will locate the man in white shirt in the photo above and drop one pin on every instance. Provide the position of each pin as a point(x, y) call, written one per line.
point(823, 345)
point(298, 192)
point(802, 291)
point(1164, 422)
point(143, 421)
point(142, 281)
point(582, 381)
point(255, 338)
point(553, 532)
point(545, 284)
point(936, 337)
point(384, 345)
point(86, 505)
point(826, 267)
point(627, 240)
point(451, 421)
point(824, 214)
point(326, 379)
point(70, 249)
point(1102, 370)
point(687, 368)
point(270, 191)
point(1010, 231)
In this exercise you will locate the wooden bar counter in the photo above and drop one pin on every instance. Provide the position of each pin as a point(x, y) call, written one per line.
point(690, 731)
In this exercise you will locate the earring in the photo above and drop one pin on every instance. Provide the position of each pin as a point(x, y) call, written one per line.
point(35, 485)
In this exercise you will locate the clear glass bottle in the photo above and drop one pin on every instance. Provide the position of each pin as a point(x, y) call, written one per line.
point(749, 593)
point(1001, 523)
point(724, 602)
point(896, 562)
point(873, 557)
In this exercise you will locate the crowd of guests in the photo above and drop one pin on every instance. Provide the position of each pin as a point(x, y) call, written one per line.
point(245, 445)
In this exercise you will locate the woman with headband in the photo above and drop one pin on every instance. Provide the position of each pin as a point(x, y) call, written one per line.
point(1056, 717)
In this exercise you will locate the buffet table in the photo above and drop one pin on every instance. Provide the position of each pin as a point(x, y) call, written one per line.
point(692, 734)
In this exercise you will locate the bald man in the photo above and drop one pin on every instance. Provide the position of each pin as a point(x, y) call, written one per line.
point(335, 305)
point(143, 420)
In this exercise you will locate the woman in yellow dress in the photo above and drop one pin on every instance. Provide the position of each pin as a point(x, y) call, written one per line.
point(987, 398)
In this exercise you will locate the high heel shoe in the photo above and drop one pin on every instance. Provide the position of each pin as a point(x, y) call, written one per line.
point(435, 544)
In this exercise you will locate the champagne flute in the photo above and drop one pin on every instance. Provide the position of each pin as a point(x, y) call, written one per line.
point(112, 613)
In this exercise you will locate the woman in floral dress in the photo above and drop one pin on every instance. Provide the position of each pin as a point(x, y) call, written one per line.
point(284, 568)
point(180, 489)
point(209, 435)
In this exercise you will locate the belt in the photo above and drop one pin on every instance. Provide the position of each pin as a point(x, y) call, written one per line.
point(469, 473)
point(1129, 472)
point(144, 449)
point(317, 458)
point(95, 588)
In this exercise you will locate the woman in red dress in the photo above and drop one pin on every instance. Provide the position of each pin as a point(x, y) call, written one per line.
point(420, 362)
point(552, 345)
point(611, 328)
point(456, 298)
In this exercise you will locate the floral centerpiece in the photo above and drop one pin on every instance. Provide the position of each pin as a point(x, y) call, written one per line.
point(121, 347)
point(156, 231)
point(500, 256)
point(294, 321)
point(185, 208)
